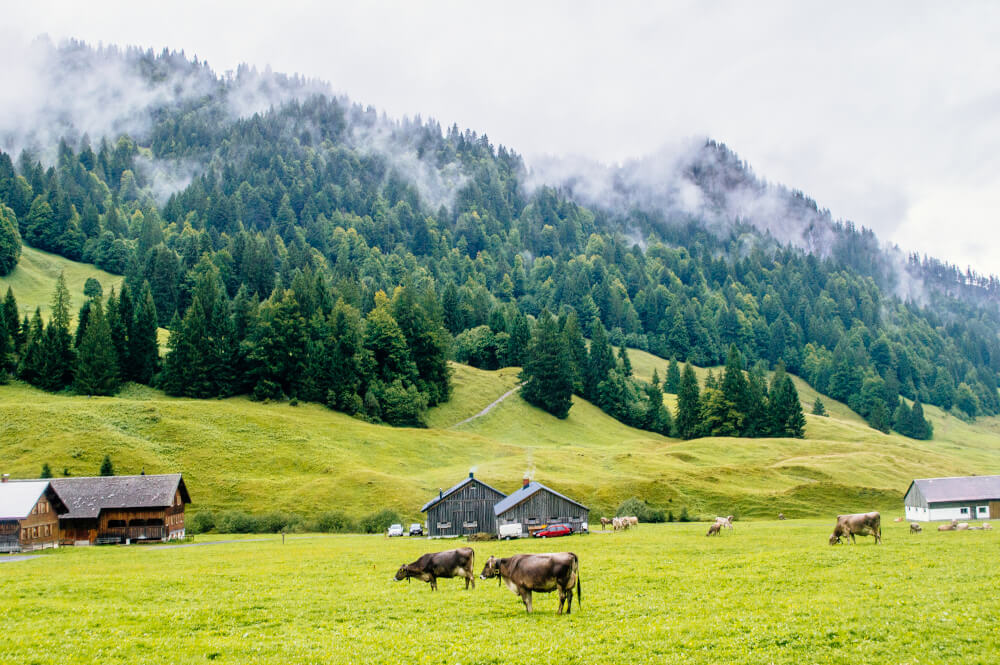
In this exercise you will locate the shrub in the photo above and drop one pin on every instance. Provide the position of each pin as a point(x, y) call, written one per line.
point(684, 515)
point(637, 507)
point(380, 521)
point(202, 522)
point(92, 288)
point(333, 522)
point(236, 521)
point(277, 522)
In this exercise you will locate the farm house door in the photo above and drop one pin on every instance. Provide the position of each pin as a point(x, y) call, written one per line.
point(995, 510)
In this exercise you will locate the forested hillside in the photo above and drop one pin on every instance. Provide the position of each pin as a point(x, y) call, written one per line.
point(300, 245)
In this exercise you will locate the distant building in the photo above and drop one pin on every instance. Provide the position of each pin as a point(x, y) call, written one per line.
point(463, 509)
point(968, 498)
point(535, 505)
point(120, 509)
point(29, 515)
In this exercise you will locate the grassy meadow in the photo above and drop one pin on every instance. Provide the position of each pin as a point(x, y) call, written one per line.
point(239, 454)
point(34, 280)
point(768, 592)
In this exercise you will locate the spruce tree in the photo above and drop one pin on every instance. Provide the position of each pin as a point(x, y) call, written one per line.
point(58, 357)
point(785, 409)
point(624, 362)
point(32, 357)
point(920, 427)
point(143, 349)
point(672, 380)
point(577, 345)
point(818, 408)
point(735, 391)
point(756, 421)
point(600, 361)
point(82, 317)
point(46, 471)
point(547, 377)
point(688, 420)
point(6, 355)
point(107, 469)
point(96, 360)
point(902, 419)
point(9, 318)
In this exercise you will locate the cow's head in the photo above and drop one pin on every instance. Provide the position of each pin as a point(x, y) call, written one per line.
point(402, 574)
point(835, 538)
point(491, 569)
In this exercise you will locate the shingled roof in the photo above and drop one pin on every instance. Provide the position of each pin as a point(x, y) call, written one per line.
point(451, 490)
point(87, 497)
point(968, 488)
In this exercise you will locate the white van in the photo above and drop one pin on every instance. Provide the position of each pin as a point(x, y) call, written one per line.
point(508, 531)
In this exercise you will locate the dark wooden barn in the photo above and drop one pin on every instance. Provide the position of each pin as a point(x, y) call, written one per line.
point(120, 509)
point(463, 509)
point(29, 515)
point(535, 505)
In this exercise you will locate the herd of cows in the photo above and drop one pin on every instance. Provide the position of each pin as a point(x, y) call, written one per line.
point(525, 574)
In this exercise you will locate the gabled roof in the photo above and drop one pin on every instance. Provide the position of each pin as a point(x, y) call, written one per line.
point(968, 488)
point(525, 492)
point(451, 490)
point(18, 498)
point(86, 497)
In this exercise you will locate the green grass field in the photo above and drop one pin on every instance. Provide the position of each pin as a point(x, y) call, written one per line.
point(34, 280)
point(768, 592)
point(238, 454)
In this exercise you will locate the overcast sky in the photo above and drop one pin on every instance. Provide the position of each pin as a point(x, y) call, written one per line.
point(886, 113)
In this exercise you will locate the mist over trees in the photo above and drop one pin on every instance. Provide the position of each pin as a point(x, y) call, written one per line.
point(314, 249)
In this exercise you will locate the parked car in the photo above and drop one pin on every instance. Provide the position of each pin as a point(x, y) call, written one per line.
point(554, 530)
point(416, 529)
point(508, 531)
point(395, 530)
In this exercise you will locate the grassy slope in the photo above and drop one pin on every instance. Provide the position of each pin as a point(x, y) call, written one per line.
point(34, 280)
point(766, 593)
point(236, 453)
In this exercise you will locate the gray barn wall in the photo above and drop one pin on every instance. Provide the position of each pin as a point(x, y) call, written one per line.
point(472, 503)
point(546, 508)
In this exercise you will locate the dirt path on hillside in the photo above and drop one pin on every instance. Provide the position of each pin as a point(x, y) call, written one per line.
point(490, 407)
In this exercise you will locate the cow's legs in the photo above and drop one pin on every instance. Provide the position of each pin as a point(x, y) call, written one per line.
point(434, 583)
point(569, 600)
point(469, 579)
point(562, 600)
point(526, 597)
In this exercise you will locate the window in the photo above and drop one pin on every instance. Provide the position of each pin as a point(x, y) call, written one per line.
point(983, 510)
point(963, 511)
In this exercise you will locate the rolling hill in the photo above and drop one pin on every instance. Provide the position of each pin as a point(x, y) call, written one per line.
point(301, 459)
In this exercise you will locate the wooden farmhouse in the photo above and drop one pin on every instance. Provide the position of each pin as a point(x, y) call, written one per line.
point(969, 498)
point(535, 505)
point(463, 509)
point(29, 515)
point(121, 509)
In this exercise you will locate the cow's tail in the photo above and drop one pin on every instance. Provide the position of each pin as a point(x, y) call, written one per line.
point(576, 569)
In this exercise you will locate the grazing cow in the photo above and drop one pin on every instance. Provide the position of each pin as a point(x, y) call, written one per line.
point(860, 524)
point(633, 520)
point(947, 527)
point(714, 529)
point(604, 523)
point(620, 523)
point(781, 516)
point(915, 528)
point(525, 573)
point(725, 522)
point(431, 566)
point(962, 526)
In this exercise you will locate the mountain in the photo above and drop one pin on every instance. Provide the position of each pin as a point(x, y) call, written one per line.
point(305, 246)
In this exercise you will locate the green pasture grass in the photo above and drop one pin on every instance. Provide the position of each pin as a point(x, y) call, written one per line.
point(472, 391)
point(34, 280)
point(767, 592)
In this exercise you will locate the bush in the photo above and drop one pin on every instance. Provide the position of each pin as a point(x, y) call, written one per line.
point(684, 515)
point(333, 522)
point(202, 522)
point(277, 522)
point(92, 288)
point(380, 521)
point(10, 240)
point(637, 507)
point(236, 521)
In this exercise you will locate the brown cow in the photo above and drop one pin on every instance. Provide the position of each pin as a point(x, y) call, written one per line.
point(431, 566)
point(524, 573)
point(962, 526)
point(915, 528)
point(859, 524)
point(604, 523)
point(948, 527)
point(714, 529)
point(725, 522)
point(781, 516)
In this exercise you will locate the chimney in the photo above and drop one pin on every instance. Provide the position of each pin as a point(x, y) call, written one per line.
point(471, 474)
point(525, 481)
point(440, 493)
point(4, 478)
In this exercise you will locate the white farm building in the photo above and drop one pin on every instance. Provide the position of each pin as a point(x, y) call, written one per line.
point(969, 498)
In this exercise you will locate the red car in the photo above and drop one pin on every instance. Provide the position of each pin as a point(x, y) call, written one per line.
point(554, 530)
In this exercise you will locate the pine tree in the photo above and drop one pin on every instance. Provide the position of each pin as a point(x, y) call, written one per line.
point(756, 422)
point(624, 362)
point(785, 409)
point(600, 361)
point(96, 360)
point(46, 471)
point(577, 345)
point(32, 357)
point(143, 350)
point(9, 318)
point(902, 419)
point(58, 358)
point(6, 355)
point(920, 427)
point(107, 469)
point(672, 381)
point(818, 408)
point(547, 377)
point(688, 420)
point(735, 391)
